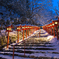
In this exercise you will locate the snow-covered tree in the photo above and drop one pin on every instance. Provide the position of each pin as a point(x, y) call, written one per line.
point(42, 10)
point(37, 11)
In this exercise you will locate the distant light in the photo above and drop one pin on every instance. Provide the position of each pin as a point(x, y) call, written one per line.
point(56, 22)
point(53, 24)
point(8, 28)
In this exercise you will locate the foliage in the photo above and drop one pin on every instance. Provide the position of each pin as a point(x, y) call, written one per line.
point(38, 11)
point(3, 40)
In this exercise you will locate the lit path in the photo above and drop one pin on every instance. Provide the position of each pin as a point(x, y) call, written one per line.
point(36, 47)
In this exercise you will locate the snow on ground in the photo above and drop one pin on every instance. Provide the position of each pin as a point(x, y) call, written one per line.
point(15, 57)
point(3, 32)
point(13, 33)
point(5, 48)
point(48, 53)
point(50, 38)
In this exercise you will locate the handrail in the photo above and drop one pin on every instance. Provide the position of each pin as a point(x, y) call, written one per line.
point(51, 26)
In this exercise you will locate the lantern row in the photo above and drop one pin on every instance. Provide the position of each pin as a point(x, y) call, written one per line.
point(50, 28)
point(21, 28)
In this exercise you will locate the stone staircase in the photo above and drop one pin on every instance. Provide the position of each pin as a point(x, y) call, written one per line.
point(34, 48)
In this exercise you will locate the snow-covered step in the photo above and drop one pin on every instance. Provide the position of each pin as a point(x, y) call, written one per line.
point(2, 58)
point(35, 48)
point(15, 54)
point(33, 55)
point(32, 51)
point(15, 57)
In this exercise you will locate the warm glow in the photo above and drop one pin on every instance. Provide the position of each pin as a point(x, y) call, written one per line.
point(23, 27)
point(50, 25)
point(56, 22)
point(8, 28)
point(18, 28)
point(26, 27)
point(53, 24)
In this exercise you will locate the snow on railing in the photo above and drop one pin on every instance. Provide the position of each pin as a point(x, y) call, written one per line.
point(52, 28)
point(21, 28)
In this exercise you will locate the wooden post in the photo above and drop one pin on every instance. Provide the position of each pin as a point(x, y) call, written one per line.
point(23, 34)
point(24, 48)
point(26, 33)
point(8, 40)
point(31, 30)
point(58, 17)
point(47, 29)
point(57, 32)
point(53, 31)
point(17, 36)
point(13, 51)
point(39, 34)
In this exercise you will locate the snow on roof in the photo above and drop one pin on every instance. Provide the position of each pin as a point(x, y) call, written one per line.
point(8, 25)
point(18, 24)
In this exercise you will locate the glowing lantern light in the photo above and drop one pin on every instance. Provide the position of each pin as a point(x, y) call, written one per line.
point(56, 22)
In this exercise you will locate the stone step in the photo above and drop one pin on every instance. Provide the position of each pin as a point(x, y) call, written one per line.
point(16, 54)
point(15, 57)
point(34, 45)
point(34, 55)
point(34, 48)
point(2, 58)
point(32, 51)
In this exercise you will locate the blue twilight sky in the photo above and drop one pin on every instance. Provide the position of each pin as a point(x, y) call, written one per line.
point(55, 3)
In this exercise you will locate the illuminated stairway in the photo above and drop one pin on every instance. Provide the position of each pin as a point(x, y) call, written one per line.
point(35, 48)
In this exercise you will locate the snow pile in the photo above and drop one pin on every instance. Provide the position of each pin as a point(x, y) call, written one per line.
point(3, 32)
point(14, 33)
point(52, 39)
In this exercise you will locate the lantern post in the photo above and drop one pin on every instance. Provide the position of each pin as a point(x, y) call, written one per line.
point(18, 29)
point(28, 29)
point(53, 28)
point(39, 32)
point(56, 24)
point(24, 28)
point(8, 29)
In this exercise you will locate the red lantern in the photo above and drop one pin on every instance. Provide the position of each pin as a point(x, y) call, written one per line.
point(8, 29)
